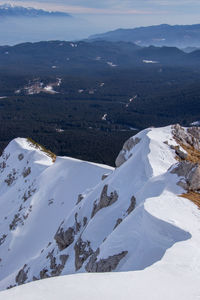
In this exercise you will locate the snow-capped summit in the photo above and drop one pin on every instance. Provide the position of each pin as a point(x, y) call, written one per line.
point(10, 10)
point(64, 216)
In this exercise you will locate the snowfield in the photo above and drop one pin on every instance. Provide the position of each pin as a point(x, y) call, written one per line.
point(150, 61)
point(69, 217)
point(152, 283)
point(40, 200)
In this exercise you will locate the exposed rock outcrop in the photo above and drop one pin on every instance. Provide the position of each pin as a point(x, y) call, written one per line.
point(128, 211)
point(22, 276)
point(26, 172)
point(82, 252)
point(118, 222)
point(189, 166)
point(104, 176)
point(28, 194)
point(183, 168)
point(104, 265)
point(16, 220)
point(180, 154)
point(132, 205)
point(193, 179)
point(2, 166)
point(20, 156)
point(2, 239)
point(77, 224)
point(44, 274)
point(56, 269)
point(80, 198)
point(64, 238)
point(129, 144)
point(84, 221)
point(11, 177)
point(104, 200)
point(190, 173)
point(187, 137)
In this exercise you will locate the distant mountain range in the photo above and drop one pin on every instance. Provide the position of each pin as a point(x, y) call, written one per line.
point(71, 57)
point(162, 35)
point(7, 10)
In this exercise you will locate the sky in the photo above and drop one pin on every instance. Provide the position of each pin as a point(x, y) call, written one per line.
point(175, 11)
point(97, 16)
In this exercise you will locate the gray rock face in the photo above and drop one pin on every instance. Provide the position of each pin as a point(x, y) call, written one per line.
point(26, 172)
point(77, 224)
point(2, 166)
point(129, 144)
point(22, 276)
point(183, 168)
point(84, 221)
point(28, 194)
point(11, 177)
point(104, 176)
point(63, 259)
point(2, 239)
point(64, 238)
point(104, 265)
point(188, 137)
point(56, 269)
point(118, 222)
point(80, 198)
point(193, 179)
point(20, 156)
point(52, 260)
point(16, 220)
point(128, 211)
point(132, 205)
point(92, 261)
point(105, 200)
point(195, 132)
point(44, 274)
point(82, 252)
point(182, 155)
point(191, 174)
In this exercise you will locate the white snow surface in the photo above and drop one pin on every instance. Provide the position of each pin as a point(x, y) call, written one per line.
point(149, 61)
point(54, 190)
point(50, 89)
point(104, 118)
point(160, 236)
point(196, 123)
point(111, 64)
point(141, 285)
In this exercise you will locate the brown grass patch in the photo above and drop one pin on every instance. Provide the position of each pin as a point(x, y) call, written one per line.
point(42, 148)
point(192, 196)
point(193, 154)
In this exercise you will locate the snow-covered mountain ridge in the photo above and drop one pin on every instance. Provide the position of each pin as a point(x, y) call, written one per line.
point(71, 216)
point(8, 10)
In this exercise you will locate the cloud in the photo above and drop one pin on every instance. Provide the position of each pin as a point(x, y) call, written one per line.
point(127, 7)
point(85, 7)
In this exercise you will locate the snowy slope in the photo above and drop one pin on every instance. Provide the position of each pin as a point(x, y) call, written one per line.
point(32, 206)
point(135, 219)
point(153, 283)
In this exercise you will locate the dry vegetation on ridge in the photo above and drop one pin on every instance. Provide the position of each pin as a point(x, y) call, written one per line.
point(42, 148)
point(193, 156)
